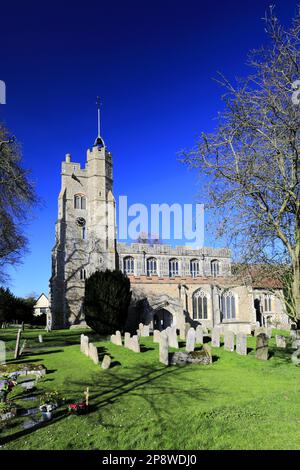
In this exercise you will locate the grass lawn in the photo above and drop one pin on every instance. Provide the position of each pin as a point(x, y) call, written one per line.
point(235, 403)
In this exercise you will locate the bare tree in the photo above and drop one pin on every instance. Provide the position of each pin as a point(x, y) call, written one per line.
point(17, 196)
point(252, 158)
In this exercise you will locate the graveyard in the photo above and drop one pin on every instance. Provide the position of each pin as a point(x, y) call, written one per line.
point(235, 400)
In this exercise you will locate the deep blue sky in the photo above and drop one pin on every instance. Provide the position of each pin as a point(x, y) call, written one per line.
point(152, 63)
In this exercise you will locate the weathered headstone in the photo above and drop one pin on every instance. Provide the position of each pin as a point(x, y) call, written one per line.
point(190, 340)
point(241, 344)
point(199, 335)
point(145, 331)
point(138, 333)
point(141, 327)
point(18, 343)
point(164, 348)
point(93, 353)
point(187, 326)
point(156, 336)
point(207, 351)
point(23, 347)
point(84, 345)
point(296, 344)
point(293, 334)
point(215, 337)
point(296, 357)
point(126, 340)
point(269, 331)
point(2, 352)
point(172, 336)
point(118, 338)
point(259, 330)
point(280, 341)
point(262, 347)
point(106, 362)
point(113, 339)
point(134, 344)
point(40, 338)
point(229, 340)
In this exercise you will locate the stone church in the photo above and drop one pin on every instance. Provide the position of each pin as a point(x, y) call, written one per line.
point(171, 285)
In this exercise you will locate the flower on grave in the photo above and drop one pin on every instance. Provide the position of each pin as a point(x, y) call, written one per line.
point(77, 407)
point(46, 408)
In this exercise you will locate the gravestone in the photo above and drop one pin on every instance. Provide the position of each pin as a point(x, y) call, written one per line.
point(141, 327)
point(190, 340)
point(259, 330)
point(229, 340)
point(106, 361)
point(145, 331)
point(2, 352)
point(138, 333)
point(296, 344)
point(293, 334)
point(296, 357)
point(156, 336)
point(126, 340)
point(134, 344)
point(269, 331)
point(215, 337)
point(172, 337)
point(164, 348)
point(113, 339)
point(23, 347)
point(262, 347)
point(118, 338)
point(18, 344)
point(241, 344)
point(280, 341)
point(93, 353)
point(40, 338)
point(84, 345)
point(199, 335)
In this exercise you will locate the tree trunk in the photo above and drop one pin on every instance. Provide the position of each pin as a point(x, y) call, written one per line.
point(296, 289)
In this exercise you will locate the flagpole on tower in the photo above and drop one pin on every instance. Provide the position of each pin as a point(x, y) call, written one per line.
point(98, 106)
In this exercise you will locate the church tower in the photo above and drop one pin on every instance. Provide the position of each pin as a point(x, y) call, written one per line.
point(85, 231)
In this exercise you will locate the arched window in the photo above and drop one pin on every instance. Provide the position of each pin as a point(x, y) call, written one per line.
point(194, 267)
point(128, 265)
point(200, 305)
point(82, 274)
point(266, 303)
point(151, 266)
point(215, 267)
point(173, 267)
point(228, 307)
point(79, 201)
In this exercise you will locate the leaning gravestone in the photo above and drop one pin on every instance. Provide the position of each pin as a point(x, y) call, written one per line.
point(241, 344)
point(229, 340)
point(156, 336)
point(118, 338)
point(296, 357)
point(199, 335)
point(106, 362)
point(280, 341)
point(164, 349)
point(126, 340)
point(215, 337)
point(190, 340)
point(172, 336)
point(2, 353)
point(17, 349)
point(262, 347)
point(93, 353)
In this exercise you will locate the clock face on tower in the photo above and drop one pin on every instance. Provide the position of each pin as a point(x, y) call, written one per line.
point(80, 221)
